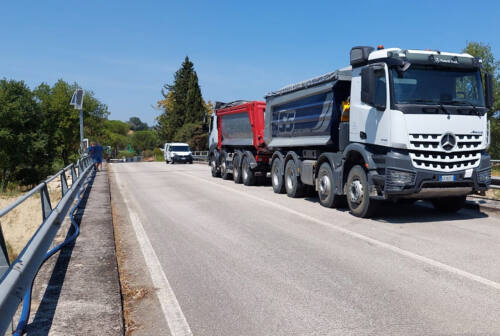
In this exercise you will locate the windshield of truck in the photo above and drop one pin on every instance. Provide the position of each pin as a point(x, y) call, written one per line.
point(179, 148)
point(431, 85)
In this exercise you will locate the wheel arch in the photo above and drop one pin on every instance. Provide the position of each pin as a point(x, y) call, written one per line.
point(291, 155)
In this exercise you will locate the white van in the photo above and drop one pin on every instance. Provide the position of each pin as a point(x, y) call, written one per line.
point(177, 152)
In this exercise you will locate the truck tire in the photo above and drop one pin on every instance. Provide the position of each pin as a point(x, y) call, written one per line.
point(236, 169)
point(223, 167)
point(277, 177)
point(326, 192)
point(449, 204)
point(213, 167)
point(293, 184)
point(358, 198)
point(246, 172)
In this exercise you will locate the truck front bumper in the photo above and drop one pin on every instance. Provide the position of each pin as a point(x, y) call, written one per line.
point(402, 180)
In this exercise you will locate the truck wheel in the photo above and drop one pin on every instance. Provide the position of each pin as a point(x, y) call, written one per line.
point(213, 167)
point(246, 172)
point(236, 169)
point(276, 177)
point(293, 184)
point(326, 192)
point(358, 197)
point(449, 204)
point(223, 167)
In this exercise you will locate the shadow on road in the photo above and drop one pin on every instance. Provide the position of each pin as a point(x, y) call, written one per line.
point(44, 316)
point(419, 212)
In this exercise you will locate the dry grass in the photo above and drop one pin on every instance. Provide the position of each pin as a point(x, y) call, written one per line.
point(19, 225)
point(130, 295)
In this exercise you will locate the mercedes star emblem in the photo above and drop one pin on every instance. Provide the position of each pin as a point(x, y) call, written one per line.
point(448, 142)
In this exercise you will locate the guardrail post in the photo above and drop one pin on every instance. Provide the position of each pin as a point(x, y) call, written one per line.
point(80, 167)
point(46, 206)
point(64, 184)
point(73, 174)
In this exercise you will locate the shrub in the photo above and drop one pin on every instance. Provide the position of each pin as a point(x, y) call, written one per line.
point(125, 154)
point(158, 154)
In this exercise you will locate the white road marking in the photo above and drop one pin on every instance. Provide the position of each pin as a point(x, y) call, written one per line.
point(171, 309)
point(362, 237)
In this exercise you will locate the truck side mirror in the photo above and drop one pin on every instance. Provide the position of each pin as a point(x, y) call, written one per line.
point(488, 94)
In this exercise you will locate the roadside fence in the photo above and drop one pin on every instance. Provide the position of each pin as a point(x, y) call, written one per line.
point(200, 156)
point(16, 278)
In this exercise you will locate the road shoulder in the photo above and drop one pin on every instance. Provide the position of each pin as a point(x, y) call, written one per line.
point(141, 308)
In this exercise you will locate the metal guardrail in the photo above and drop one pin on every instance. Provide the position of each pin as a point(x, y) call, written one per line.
point(200, 156)
point(16, 278)
point(124, 159)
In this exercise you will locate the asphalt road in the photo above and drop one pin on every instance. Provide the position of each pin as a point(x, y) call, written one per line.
point(235, 260)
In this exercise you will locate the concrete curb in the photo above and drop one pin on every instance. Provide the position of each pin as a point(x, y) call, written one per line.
point(483, 204)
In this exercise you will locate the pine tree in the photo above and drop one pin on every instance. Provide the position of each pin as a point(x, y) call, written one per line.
point(195, 108)
point(183, 107)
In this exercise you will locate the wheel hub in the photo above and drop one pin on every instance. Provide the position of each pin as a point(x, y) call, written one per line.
point(275, 176)
point(356, 191)
point(289, 178)
point(245, 173)
point(325, 186)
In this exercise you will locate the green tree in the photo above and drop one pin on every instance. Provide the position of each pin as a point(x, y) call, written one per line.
point(62, 121)
point(19, 131)
point(136, 124)
point(142, 140)
point(115, 135)
point(183, 108)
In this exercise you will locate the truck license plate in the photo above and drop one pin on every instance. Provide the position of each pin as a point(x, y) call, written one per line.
point(447, 178)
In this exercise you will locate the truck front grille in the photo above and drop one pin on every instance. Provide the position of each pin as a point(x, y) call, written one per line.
point(427, 152)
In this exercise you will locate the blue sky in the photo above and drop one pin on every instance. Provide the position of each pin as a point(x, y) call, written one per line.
point(126, 50)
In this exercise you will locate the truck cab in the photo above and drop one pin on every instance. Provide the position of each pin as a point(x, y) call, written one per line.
point(421, 118)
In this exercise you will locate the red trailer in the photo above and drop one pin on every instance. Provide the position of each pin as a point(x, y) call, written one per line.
point(242, 151)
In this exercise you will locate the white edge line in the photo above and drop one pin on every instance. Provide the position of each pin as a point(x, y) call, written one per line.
point(362, 237)
point(171, 309)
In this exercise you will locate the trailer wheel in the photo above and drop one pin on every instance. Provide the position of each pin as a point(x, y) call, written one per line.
point(276, 177)
point(236, 169)
point(449, 204)
point(223, 167)
point(213, 167)
point(247, 173)
point(293, 184)
point(358, 198)
point(326, 192)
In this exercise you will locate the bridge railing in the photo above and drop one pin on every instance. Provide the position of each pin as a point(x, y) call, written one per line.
point(200, 156)
point(16, 278)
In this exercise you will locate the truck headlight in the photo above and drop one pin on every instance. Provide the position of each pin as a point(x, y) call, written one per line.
point(396, 180)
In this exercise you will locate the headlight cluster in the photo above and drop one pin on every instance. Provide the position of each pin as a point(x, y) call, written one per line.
point(484, 176)
point(396, 180)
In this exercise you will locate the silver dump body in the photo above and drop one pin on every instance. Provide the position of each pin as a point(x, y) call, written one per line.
point(236, 129)
point(305, 113)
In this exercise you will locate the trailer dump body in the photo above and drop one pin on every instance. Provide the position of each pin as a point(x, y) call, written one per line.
point(307, 113)
point(241, 125)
